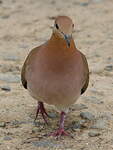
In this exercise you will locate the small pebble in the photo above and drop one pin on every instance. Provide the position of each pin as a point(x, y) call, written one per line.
point(45, 144)
point(81, 3)
point(84, 4)
point(5, 16)
point(97, 69)
point(23, 46)
point(9, 78)
point(109, 68)
point(35, 130)
point(93, 100)
point(2, 124)
point(5, 88)
point(96, 91)
point(7, 138)
point(97, 1)
point(52, 115)
point(107, 115)
point(87, 115)
point(15, 123)
point(51, 17)
point(93, 133)
point(78, 124)
point(80, 106)
point(99, 124)
point(11, 58)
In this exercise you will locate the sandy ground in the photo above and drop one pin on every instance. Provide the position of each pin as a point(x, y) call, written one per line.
point(25, 24)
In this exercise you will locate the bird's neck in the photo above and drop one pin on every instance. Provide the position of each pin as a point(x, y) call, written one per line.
point(60, 44)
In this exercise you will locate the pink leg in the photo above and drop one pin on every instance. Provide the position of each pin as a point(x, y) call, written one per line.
point(41, 110)
point(60, 131)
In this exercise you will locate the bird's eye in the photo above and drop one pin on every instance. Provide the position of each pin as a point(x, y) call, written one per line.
point(73, 25)
point(56, 25)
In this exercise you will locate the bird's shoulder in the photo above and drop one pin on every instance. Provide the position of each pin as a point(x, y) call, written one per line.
point(28, 59)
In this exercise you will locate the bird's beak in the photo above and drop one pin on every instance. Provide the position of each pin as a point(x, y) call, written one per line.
point(68, 39)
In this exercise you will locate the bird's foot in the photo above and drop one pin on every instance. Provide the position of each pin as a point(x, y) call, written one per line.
point(59, 132)
point(41, 109)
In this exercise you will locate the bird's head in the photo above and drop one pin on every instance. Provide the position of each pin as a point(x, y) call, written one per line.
point(63, 28)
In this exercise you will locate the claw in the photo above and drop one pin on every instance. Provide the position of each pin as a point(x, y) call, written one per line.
point(59, 133)
point(41, 110)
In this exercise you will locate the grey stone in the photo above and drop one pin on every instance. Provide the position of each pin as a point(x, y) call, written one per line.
point(82, 121)
point(92, 89)
point(84, 4)
point(23, 46)
point(2, 124)
point(45, 143)
point(93, 133)
point(9, 68)
point(51, 17)
point(87, 115)
point(97, 1)
point(9, 78)
point(81, 3)
point(93, 100)
point(5, 88)
point(36, 130)
point(80, 106)
point(97, 69)
point(99, 124)
point(5, 17)
point(11, 58)
point(15, 123)
point(78, 124)
point(52, 115)
point(95, 91)
point(109, 68)
point(7, 138)
point(107, 115)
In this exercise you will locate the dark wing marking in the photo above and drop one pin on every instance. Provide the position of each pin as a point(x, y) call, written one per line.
point(86, 74)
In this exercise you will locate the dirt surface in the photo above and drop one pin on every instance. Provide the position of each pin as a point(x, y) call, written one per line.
point(25, 24)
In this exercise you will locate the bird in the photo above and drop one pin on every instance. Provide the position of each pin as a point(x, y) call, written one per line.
point(56, 72)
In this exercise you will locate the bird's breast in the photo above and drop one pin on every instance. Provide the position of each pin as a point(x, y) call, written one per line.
point(55, 81)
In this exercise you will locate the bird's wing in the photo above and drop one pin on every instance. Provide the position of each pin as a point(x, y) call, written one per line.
point(86, 74)
point(27, 61)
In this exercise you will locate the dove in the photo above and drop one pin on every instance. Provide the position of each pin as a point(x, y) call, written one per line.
point(56, 72)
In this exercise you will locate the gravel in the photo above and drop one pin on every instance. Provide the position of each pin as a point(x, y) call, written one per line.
point(93, 133)
point(109, 68)
point(7, 138)
point(99, 124)
point(45, 144)
point(80, 106)
point(52, 114)
point(11, 58)
point(93, 100)
point(5, 88)
point(2, 124)
point(10, 78)
point(79, 124)
point(87, 115)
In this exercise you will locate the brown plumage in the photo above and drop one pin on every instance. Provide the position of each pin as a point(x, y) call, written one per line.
point(56, 72)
